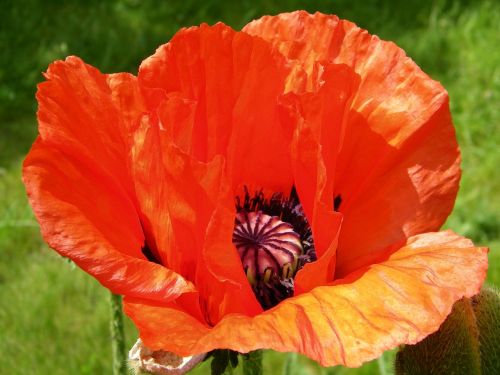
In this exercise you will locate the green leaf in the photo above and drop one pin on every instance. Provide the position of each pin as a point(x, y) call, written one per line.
point(468, 342)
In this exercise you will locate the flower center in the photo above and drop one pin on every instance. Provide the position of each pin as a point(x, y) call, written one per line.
point(267, 246)
point(274, 241)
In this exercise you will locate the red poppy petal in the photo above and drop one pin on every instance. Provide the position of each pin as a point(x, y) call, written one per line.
point(233, 81)
point(399, 158)
point(86, 217)
point(177, 117)
point(89, 114)
point(307, 38)
point(189, 212)
point(321, 118)
point(398, 301)
point(219, 277)
point(326, 111)
point(310, 181)
point(321, 271)
point(176, 207)
point(222, 282)
point(415, 190)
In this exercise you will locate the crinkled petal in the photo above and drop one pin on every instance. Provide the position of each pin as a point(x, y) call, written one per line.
point(222, 281)
point(302, 37)
point(175, 204)
point(233, 82)
point(310, 181)
point(319, 117)
point(326, 111)
point(90, 115)
point(410, 190)
point(399, 301)
point(399, 158)
point(86, 217)
point(189, 212)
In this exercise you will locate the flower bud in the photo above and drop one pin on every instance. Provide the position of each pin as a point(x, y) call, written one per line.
point(468, 342)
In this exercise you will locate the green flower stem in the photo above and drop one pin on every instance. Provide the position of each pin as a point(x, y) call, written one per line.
point(117, 336)
point(252, 363)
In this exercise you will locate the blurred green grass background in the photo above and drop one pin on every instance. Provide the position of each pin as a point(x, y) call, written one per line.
point(53, 317)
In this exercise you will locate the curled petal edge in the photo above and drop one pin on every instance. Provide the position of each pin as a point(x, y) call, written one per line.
point(349, 322)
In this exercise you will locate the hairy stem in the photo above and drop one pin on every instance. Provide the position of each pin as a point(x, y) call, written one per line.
point(117, 336)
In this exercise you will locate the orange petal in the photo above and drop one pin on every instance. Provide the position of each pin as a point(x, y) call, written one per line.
point(222, 282)
point(233, 82)
point(177, 118)
point(313, 164)
point(302, 37)
point(410, 190)
point(320, 118)
point(175, 206)
point(327, 228)
point(220, 278)
point(398, 168)
point(85, 216)
point(84, 112)
point(399, 301)
point(310, 181)
point(189, 212)
point(326, 112)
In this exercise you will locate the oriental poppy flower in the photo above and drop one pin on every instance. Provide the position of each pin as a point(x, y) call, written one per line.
point(270, 188)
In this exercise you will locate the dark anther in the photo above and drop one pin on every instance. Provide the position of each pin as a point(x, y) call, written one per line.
point(336, 202)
